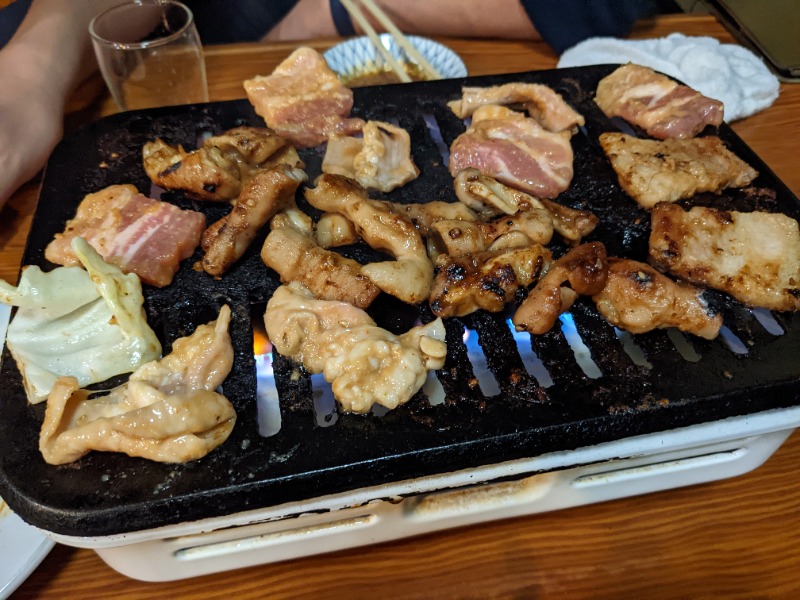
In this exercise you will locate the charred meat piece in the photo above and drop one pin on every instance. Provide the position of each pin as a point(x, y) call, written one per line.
point(303, 100)
point(516, 151)
point(364, 363)
point(409, 277)
point(488, 197)
point(136, 233)
point(268, 193)
point(328, 275)
point(379, 160)
point(221, 166)
point(754, 257)
point(424, 215)
point(580, 272)
point(660, 106)
point(637, 298)
point(653, 171)
point(486, 280)
point(541, 102)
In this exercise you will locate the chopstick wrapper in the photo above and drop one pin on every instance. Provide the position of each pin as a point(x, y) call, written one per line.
point(726, 72)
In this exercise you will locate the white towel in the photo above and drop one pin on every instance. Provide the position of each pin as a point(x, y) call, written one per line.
point(726, 72)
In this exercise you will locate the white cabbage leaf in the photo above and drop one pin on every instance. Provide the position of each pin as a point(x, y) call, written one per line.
point(89, 324)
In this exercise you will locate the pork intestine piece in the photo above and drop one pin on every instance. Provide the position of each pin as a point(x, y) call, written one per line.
point(364, 363)
point(88, 324)
point(408, 278)
point(380, 160)
point(168, 410)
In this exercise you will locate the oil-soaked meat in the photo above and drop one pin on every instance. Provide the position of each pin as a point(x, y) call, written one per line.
point(379, 160)
point(264, 196)
point(136, 233)
point(168, 411)
point(660, 106)
point(364, 363)
point(666, 171)
point(541, 102)
point(580, 272)
point(637, 298)
point(754, 257)
point(303, 100)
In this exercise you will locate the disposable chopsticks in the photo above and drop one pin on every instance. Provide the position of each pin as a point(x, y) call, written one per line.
point(355, 12)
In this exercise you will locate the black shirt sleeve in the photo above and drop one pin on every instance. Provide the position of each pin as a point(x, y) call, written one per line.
point(564, 23)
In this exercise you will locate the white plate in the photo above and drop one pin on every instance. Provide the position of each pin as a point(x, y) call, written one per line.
point(22, 547)
point(355, 56)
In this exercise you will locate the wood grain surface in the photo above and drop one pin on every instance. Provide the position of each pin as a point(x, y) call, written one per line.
point(738, 538)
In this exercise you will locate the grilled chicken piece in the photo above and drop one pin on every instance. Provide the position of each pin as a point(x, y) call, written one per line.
point(660, 106)
point(515, 150)
point(653, 171)
point(380, 160)
point(424, 215)
point(409, 277)
point(365, 364)
point(488, 197)
point(457, 238)
point(328, 275)
point(580, 272)
point(541, 102)
point(754, 257)
point(131, 231)
point(335, 230)
point(486, 280)
point(168, 411)
point(221, 166)
point(637, 298)
point(267, 194)
point(303, 100)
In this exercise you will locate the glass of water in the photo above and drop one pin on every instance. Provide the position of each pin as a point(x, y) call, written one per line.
point(150, 54)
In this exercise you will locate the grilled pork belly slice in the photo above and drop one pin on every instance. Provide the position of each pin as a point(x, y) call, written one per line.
point(168, 410)
point(653, 171)
point(221, 166)
point(515, 150)
point(488, 197)
point(408, 278)
point(380, 160)
point(268, 193)
point(541, 102)
point(486, 280)
point(303, 100)
point(580, 272)
point(754, 257)
point(638, 299)
point(364, 363)
point(136, 233)
point(660, 106)
point(328, 275)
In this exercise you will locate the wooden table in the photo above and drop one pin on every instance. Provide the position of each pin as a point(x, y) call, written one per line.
point(738, 538)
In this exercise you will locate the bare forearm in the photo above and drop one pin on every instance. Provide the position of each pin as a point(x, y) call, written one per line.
point(458, 18)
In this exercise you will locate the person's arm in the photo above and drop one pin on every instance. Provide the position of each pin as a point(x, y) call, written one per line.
point(39, 66)
point(461, 18)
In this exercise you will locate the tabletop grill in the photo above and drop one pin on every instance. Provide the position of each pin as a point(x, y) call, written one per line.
point(513, 424)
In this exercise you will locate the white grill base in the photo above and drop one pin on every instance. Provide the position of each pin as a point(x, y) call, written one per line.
point(628, 467)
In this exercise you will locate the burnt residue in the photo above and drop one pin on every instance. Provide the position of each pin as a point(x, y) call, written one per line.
point(107, 493)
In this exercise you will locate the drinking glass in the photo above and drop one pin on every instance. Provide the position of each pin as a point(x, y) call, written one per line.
point(150, 54)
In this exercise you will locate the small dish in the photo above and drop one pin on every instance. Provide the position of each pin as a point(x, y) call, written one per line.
point(357, 62)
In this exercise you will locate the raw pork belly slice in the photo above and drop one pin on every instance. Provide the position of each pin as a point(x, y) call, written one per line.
point(303, 100)
point(516, 151)
point(754, 257)
point(660, 106)
point(136, 233)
